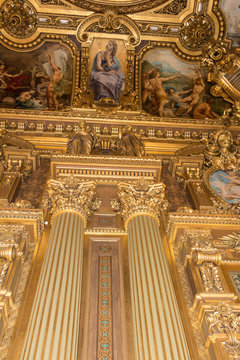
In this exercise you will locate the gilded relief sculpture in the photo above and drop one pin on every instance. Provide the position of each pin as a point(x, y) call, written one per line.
point(223, 66)
point(131, 143)
point(82, 141)
point(222, 151)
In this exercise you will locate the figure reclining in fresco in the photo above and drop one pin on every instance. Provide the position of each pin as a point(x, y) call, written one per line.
point(106, 78)
point(176, 101)
point(26, 100)
point(204, 111)
point(229, 188)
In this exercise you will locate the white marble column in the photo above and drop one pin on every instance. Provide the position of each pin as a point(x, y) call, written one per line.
point(54, 322)
point(158, 329)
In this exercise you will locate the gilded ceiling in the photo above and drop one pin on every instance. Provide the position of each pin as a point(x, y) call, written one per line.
point(151, 61)
point(122, 6)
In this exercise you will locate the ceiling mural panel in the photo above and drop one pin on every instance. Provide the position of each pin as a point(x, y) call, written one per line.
point(40, 79)
point(147, 36)
point(171, 87)
point(231, 9)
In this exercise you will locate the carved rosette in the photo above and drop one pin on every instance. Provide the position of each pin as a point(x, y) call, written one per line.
point(19, 18)
point(70, 195)
point(141, 198)
point(196, 31)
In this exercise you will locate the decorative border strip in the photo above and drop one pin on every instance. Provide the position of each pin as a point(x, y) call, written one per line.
point(105, 323)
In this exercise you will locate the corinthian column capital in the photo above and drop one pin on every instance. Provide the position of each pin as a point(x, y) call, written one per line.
point(72, 195)
point(141, 198)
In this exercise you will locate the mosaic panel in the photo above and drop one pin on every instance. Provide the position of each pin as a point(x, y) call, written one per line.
point(104, 341)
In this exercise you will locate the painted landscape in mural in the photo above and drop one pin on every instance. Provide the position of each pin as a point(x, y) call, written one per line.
point(40, 79)
point(171, 87)
point(106, 78)
point(231, 9)
point(226, 185)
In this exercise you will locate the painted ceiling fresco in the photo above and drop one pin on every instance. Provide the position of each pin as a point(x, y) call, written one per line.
point(151, 62)
point(231, 9)
point(171, 87)
point(40, 79)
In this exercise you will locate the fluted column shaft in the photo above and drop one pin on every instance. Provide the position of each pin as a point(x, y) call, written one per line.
point(157, 324)
point(54, 323)
point(53, 327)
point(158, 327)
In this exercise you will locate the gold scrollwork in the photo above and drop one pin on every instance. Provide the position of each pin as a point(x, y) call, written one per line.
point(120, 7)
point(109, 22)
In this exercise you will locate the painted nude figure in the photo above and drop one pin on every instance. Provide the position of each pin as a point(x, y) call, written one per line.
point(4, 73)
point(54, 81)
point(204, 111)
point(193, 98)
point(160, 93)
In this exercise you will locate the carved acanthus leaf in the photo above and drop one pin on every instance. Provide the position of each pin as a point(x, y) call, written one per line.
point(196, 31)
point(19, 18)
point(224, 320)
point(70, 194)
point(141, 197)
point(232, 241)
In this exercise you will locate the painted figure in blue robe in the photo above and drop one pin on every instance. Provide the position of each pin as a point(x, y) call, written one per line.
point(106, 78)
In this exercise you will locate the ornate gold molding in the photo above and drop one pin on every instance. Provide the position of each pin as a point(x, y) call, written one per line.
point(71, 195)
point(122, 7)
point(109, 22)
point(223, 67)
point(222, 151)
point(141, 198)
point(224, 319)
